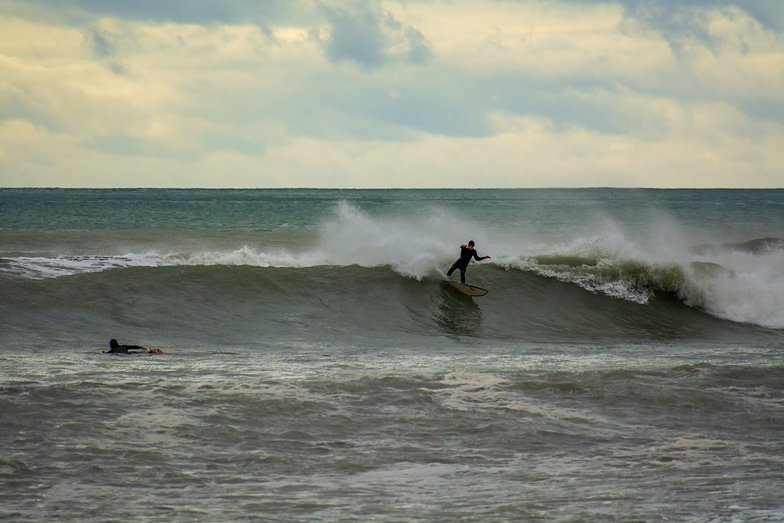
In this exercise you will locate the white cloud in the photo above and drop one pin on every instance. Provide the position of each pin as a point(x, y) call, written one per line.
point(420, 94)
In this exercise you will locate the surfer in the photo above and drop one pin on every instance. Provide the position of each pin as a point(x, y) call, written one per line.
point(466, 253)
point(116, 348)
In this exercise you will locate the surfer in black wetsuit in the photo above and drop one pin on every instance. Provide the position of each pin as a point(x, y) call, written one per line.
point(123, 349)
point(466, 253)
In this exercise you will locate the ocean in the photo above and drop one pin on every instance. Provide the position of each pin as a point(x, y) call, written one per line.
point(627, 363)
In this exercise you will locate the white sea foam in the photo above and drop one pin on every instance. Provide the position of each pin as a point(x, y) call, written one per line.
point(751, 290)
point(467, 390)
point(415, 246)
point(39, 267)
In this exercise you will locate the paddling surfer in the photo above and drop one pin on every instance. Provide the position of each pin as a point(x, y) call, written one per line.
point(466, 253)
point(116, 348)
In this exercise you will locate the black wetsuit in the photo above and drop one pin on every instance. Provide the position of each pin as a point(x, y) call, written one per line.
point(122, 349)
point(466, 253)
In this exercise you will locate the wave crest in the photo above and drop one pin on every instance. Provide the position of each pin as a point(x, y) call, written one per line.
point(742, 286)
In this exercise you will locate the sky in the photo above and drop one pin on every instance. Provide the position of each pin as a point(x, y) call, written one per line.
point(429, 93)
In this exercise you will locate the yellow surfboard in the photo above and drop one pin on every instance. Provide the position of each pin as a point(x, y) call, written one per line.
point(468, 289)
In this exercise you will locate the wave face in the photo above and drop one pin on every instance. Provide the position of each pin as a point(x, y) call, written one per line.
point(566, 265)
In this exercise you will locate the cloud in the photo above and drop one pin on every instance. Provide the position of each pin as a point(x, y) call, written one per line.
point(105, 46)
point(204, 12)
point(388, 93)
point(357, 36)
point(419, 50)
point(102, 44)
point(672, 15)
point(367, 35)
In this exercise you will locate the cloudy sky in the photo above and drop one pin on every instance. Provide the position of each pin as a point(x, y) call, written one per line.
point(408, 93)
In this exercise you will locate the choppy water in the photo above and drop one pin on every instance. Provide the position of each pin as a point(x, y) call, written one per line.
point(626, 364)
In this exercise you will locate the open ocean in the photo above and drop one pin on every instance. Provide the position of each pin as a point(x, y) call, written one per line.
point(626, 365)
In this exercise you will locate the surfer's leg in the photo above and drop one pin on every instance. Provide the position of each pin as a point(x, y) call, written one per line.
point(462, 274)
point(451, 269)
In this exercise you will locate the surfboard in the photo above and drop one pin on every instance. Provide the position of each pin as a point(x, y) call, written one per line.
point(470, 290)
point(156, 350)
